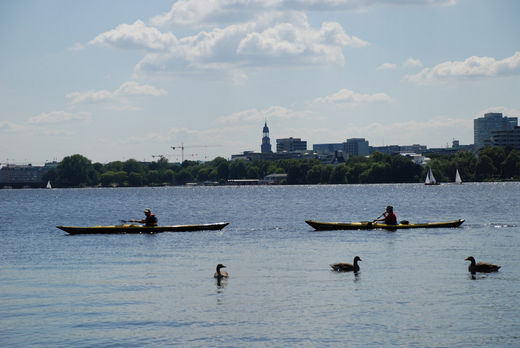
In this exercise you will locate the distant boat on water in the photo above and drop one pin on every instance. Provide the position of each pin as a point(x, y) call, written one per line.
point(430, 179)
point(49, 186)
point(458, 180)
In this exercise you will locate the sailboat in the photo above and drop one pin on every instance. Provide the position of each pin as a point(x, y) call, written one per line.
point(458, 180)
point(430, 179)
point(49, 186)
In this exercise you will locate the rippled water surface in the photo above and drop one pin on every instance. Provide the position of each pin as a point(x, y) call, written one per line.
point(158, 290)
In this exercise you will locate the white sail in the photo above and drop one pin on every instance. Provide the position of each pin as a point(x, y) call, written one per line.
point(427, 181)
point(458, 180)
point(48, 184)
point(432, 178)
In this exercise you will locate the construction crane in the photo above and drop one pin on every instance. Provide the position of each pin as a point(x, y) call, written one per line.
point(182, 147)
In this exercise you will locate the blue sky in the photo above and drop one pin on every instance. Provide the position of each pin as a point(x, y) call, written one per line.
point(122, 79)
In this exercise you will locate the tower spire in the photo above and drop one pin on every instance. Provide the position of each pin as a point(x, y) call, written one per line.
point(266, 142)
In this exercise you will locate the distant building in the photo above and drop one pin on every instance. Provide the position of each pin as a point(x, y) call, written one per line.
point(266, 142)
point(327, 148)
point(387, 149)
point(402, 149)
point(352, 147)
point(273, 156)
point(505, 138)
point(338, 158)
point(356, 147)
point(274, 179)
point(16, 176)
point(415, 148)
point(291, 145)
point(416, 158)
point(483, 126)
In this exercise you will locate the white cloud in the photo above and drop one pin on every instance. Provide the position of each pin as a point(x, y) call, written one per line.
point(59, 116)
point(77, 47)
point(197, 12)
point(472, 67)
point(254, 115)
point(387, 66)
point(277, 38)
point(412, 63)
point(283, 39)
point(8, 126)
point(137, 35)
point(127, 89)
point(345, 97)
point(300, 42)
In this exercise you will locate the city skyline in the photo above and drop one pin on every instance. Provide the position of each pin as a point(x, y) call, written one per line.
point(127, 79)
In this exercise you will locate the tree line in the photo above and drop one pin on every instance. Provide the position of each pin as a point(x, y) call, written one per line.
point(491, 164)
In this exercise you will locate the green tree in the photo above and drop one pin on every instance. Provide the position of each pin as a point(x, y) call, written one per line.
point(355, 169)
point(378, 172)
point(466, 163)
point(160, 164)
point(402, 169)
point(183, 176)
point(496, 153)
point(339, 174)
point(168, 177)
point(237, 169)
point(223, 171)
point(485, 168)
point(326, 172)
point(133, 166)
point(252, 172)
point(314, 174)
point(511, 165)
point(203, 174)
point(115, 166)
point(110, 178)
point(76, 170)
point(136, 179)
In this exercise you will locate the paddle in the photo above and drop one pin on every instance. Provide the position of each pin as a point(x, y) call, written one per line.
point(378, 217)
point(125, 221)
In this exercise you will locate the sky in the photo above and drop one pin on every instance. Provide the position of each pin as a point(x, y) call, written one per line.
point(122, 79)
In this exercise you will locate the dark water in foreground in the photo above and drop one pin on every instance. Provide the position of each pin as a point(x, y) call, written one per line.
point(157, 290)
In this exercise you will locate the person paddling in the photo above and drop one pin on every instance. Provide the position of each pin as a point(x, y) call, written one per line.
point(149, 220)
point(389, 217)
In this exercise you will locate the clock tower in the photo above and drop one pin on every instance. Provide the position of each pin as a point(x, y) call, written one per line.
point(266, 142)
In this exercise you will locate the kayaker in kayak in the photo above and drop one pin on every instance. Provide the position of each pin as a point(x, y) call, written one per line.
point(389, 217)
point(149, 220)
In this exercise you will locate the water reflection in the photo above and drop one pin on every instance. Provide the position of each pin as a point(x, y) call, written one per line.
point(356, 277)
point(221, 284)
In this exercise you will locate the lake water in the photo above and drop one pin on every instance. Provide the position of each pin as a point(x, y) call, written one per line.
point(140, 290)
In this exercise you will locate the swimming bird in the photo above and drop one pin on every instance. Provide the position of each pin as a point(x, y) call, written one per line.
point(481, 266)
point(347, 267)
point(220, 274)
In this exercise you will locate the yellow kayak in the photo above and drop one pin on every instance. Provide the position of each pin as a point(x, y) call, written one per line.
point(141, 228)
point(366, 225)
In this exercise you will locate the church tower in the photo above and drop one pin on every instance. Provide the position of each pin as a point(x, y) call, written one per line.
point(266, 142)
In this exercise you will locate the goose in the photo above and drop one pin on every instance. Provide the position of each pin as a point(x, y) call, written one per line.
point(220, 274)
point(346, 267)
point(481, 266)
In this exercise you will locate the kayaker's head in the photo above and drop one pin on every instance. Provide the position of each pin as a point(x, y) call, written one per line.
point(389, 209)
point(147, 211)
